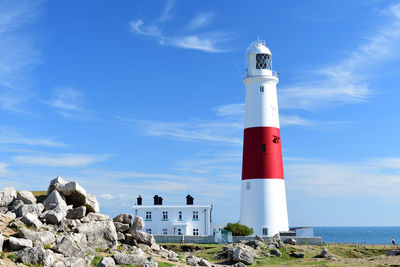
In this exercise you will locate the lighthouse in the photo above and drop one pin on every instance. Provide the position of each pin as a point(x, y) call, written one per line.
point(263, 196)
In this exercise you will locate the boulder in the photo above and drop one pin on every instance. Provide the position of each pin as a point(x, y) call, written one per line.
point(56, 215)
point(7, 196)
point(1, 242)
point(138, 224)
point(76, 213)
point(120, 236)
point(75, 194)
point(36, 256)
point(259, 238)
point(31, 219)
point(204, 262)
point(106, 262)
point(297, 255)
point(142, 237)
point(254, 244)
point(123, 218)
point(29, 208)
point(243, 255)
point(27, 197)
point(239, 264)
point(15, 205)
point(19, 243)
point(43, 238)
point(136, 257)
point(325, 254)
point(393, 252)
point(55, 183)
point(100, 234)
point(276, 252)
point(289, 241)
point(92, 204)
point(276, 241)
point(66, 246)
point(192, 260)
point(55, 199)
point(121, 227)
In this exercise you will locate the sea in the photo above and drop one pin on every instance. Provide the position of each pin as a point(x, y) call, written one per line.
point(359, 234)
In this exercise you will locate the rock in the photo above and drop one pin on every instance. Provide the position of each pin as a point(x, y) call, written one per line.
point(244, 255)
point(393, 252)
point(11, 215)
point(259, 238)
point(44, 238)
point(27, 197)
point(192, 260)
point(100, 234)
point(31, 219)
point(123, 218)
point(296, 255)
point(254, 244)
point(276, 252)
point(138, 223)
point(150, 263)
point(142, 237)
point(325, 254)
point(97, 217)
point(136, 257)
point(120, 236)
point(289, 241)
point(106, 262)
point(36, 256)
point(55, 199)
point(276, 240)
point(56, 215)
point(92, 204)
point(267, 255)
point(147, 248)
point(32, 208)
point(71, 262)
point(55, 183)
point(66, 246)
point(204, 262)
point(3, 210)
point(1, 242)
point(7, 196)
point(121, 227)
point(75, 194)
point(239, 264)
point(15, 205)
point(76, 213)
point(19, 243)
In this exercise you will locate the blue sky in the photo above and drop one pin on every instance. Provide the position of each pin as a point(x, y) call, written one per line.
point(146, 97)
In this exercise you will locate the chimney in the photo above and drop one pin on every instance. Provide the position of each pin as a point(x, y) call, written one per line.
point(157, 200)
point(139, 200)
point(189, 200)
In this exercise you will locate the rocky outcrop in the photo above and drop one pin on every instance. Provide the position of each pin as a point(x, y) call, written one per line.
point(123, 218)
point(289, 241)
point(36, 256)
point(43, 238)
point(244, 255)
point(7, 196)
point(19, 243)
point(325, 254)
point(77, 213)
point(67, 246)
point(54, 200)
point(74, 193)
point(106, 262)
point(26, 196)
point(135, 257)
point(92, 205)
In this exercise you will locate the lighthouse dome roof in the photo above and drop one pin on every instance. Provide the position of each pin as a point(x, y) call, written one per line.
point(258, 47)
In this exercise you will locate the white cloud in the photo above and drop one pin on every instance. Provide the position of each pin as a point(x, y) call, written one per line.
point(3, 169)
point(12, 137)
point(208, 41)
point(60, 160)
point(18, 54)
point(66, 98)
point(347, 80)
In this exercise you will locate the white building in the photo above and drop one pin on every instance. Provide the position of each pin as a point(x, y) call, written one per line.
point(175, 220)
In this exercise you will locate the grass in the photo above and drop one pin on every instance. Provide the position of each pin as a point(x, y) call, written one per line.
point(39, 195)
point(33, 265)
point(12, 257)
point(164, 264)
point(96, 260)
point(2, 256)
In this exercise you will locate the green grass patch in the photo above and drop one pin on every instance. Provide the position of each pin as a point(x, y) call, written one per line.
point(33, 265)
point(39, 195)
point(96, 260)
point(12, 256)
point(164, 264)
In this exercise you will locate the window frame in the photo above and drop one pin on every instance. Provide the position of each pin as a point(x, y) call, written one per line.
point(195, 231)
point(148, 216)
point(164, 216)
point(195, 215)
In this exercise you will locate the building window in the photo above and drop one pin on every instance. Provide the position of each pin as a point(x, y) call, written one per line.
point(148, 231)
point(165, 231)
point(179, 231)
point(247, 185)
point(195, 231)
point(263, 61)
point(165, 215)
point(195, 215)
point(148, 215)
point(261, 89)
point(265, 231)
point(263, 148)
point(180, 215)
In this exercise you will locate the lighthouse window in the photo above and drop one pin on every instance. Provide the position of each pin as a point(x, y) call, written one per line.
point(263, 148)
point(261, 61)
point(261, 89)
point(265, 231)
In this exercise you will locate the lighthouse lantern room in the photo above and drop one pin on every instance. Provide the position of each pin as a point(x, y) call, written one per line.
point(263, 197)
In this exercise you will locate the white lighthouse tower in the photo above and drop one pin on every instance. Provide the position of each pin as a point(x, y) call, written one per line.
point(263, 196)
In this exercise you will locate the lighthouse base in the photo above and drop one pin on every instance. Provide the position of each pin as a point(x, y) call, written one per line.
point(263, 206)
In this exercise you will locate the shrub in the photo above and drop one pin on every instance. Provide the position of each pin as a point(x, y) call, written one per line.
point(238, 229)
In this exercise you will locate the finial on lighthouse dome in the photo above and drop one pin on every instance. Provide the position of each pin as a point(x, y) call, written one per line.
point(259, 59)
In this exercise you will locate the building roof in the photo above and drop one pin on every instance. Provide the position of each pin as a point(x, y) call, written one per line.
point(170, 207)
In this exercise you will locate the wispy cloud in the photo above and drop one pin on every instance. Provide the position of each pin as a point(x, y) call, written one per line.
point(11, 137)
point(346, 81)
point(190, 36)
point(67, 99)
point(60, 160)
point(3, 169)
point(18, 54)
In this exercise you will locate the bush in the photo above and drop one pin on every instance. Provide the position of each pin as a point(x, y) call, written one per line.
point(238, 229)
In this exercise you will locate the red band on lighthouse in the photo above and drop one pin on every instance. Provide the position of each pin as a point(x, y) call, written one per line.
point(262, 153)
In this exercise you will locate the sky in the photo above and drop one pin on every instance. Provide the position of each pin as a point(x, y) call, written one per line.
point(147, 97)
